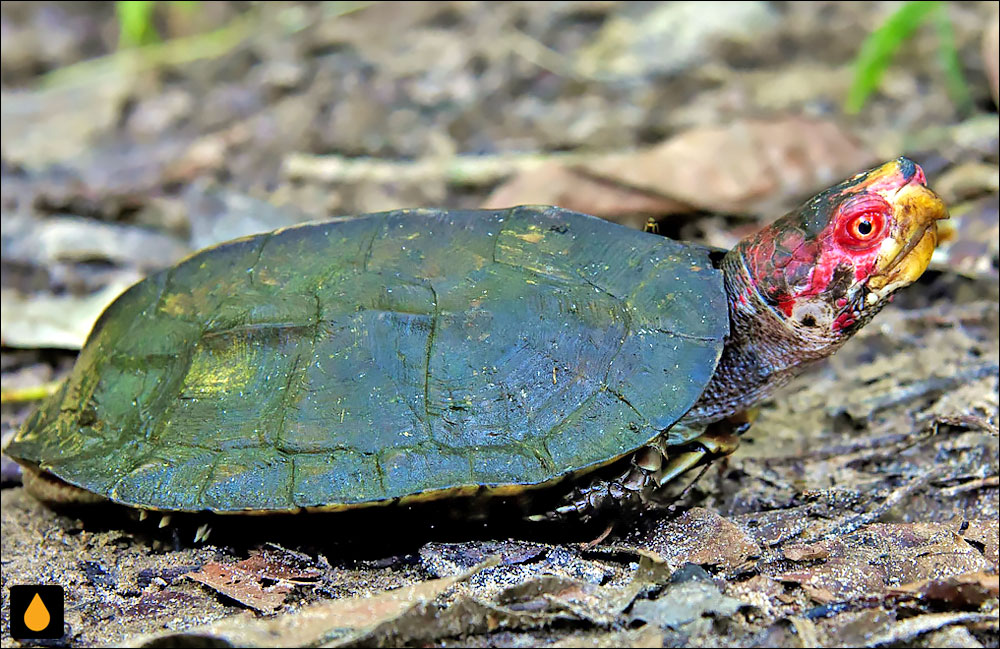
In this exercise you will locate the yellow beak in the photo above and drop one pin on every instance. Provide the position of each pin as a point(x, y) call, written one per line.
point(906, 252)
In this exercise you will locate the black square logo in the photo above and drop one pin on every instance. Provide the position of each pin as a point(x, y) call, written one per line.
point(36, 612)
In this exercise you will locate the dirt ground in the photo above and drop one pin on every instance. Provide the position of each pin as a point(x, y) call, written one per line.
point(862, 507)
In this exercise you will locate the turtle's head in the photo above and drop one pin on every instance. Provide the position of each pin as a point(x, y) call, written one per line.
point(830, 266)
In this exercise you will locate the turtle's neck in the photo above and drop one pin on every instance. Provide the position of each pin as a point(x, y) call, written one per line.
point(762, 352)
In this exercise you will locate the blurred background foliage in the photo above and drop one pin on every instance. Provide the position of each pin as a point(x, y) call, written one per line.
point(137, 27)
point(878, 50)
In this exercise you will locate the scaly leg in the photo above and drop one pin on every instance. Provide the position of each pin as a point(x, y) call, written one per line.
point(714, 443)
point(650, 469)
point(623, 491)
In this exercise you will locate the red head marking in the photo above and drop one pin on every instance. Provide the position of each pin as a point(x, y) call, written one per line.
point(831, 243)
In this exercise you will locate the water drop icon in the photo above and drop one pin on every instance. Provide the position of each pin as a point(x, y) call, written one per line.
point(36, 616)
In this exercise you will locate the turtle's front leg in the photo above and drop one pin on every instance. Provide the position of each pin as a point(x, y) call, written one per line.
point(719, 440)
point(650, 469)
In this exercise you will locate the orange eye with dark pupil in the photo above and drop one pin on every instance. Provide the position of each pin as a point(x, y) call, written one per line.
point(862, 227)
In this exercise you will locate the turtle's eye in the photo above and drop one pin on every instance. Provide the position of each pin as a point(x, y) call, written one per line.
point(862, 227)
point(862, 222)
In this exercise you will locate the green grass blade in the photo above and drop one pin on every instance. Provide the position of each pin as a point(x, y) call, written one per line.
point(955, 82)
point(135, 23)
point(880, 46)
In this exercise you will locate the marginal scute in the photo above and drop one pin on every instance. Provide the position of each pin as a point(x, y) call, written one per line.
point(170, 477)
point(251, 478)
point(404, 355)
point(354, 474)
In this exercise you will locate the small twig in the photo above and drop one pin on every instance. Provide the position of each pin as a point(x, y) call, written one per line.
point(29, 393)
point(590, 545)
point(464, 170)
point(972, 485)
point(928, 386)
point(550, 60)
point(176, 51)
point(855, 522)
point(970, 422)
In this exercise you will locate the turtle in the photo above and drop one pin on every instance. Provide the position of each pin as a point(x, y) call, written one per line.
point(425, 354)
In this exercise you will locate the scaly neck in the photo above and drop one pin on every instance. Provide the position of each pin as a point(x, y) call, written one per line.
point(762, 353)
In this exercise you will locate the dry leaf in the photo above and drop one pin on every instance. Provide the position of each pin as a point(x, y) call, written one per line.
point(698, 536)
point(905, 630)
point(395, 613)
point(802, 552)
point(685, 602)
point(866, 562)
point(244, 581)
point(968, 590)
point(747, 167)
point(555, 183)
point(241, 586)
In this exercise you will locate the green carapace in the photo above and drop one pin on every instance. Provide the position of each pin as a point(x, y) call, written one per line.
point(422, 354)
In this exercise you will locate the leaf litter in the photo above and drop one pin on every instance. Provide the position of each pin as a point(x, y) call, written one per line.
point(261, 582)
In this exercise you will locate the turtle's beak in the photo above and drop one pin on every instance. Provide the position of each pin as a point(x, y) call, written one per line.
point(906, 252)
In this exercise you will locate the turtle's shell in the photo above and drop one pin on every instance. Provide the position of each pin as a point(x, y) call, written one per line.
point(401, 355)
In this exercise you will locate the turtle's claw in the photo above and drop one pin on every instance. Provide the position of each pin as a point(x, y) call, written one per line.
point(201, 534)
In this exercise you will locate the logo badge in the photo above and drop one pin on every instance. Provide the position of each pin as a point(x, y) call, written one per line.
point(36, 612)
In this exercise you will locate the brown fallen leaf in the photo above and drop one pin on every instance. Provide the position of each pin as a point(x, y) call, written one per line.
point(242, 587)
point(398, 614)
point(898, 633)
point(818, 594)
point(868, 561)
point(555, 183)
point(967, 590)
point(806, 552)
point(598, 604)
point(698, 536)
point(752, 167)
point(162, 603)
point(684, 601)
point(244, 581)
